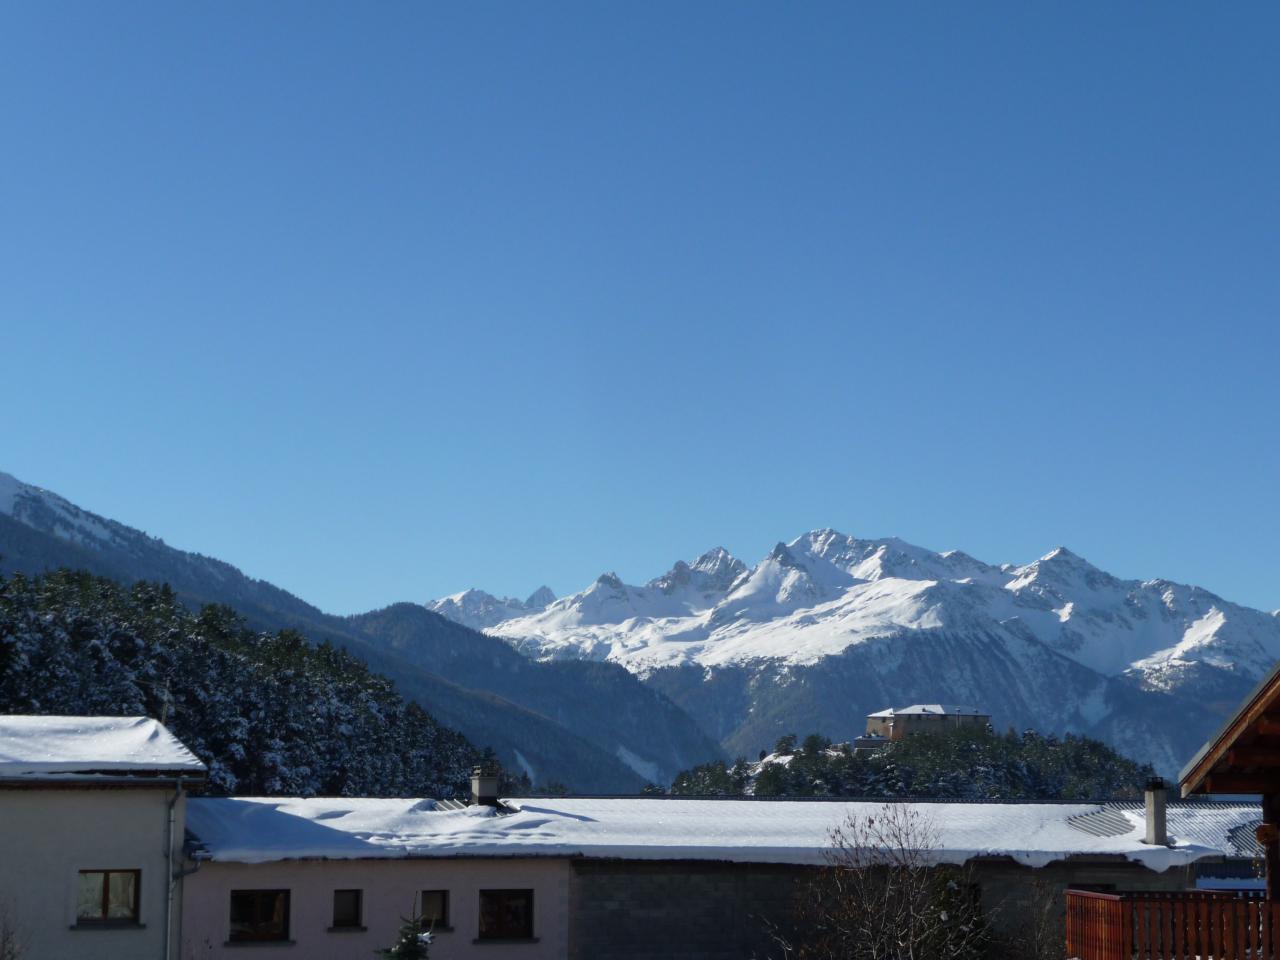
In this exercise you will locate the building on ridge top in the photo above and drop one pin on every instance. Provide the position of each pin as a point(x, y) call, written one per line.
point(901, 722)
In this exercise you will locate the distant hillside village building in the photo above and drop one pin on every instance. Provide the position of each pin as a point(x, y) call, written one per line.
point(105, 856)
point(885, 726)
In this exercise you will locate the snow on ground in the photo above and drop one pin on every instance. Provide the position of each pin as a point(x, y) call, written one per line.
point(257, 830)
point(39, 746)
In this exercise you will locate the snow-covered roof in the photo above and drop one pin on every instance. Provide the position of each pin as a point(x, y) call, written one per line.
point(257, 830)
point(931, 709)
point(1225, 824)
point(64, 748)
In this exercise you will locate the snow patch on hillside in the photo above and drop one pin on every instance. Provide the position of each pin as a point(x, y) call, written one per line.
point(10, 488)
point(646, 768)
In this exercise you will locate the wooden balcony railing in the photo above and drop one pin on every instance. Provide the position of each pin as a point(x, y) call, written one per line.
point(1185, 925)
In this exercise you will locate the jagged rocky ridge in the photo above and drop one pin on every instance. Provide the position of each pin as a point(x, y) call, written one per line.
point(479, 610)
point(829, 627)
point(592, 727)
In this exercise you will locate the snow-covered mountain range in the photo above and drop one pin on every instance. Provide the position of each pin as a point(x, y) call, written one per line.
point(1056, 644)
point(590, 726)
point(480, 611)
point(821, 631)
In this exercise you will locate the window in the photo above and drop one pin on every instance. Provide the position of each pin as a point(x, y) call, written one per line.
point(259, 915)
point(346, 908)
point(506, 915)
point(108, 896)
point(435, 909)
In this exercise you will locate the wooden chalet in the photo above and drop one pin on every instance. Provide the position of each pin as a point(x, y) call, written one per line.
point(1242, 758)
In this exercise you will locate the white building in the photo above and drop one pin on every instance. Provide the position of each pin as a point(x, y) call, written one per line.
point(91, 820)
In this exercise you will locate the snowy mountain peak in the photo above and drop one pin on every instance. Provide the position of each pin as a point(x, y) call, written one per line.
point(1062, 557)
point(781, 554)
point(16, 495)
point(610, 580)
point(717, 561)
point(1057, 570)
point(889, 557)
point(49, 513)
point(480, 610)
point(714, 572)
point(540, 598)
point(680, 575)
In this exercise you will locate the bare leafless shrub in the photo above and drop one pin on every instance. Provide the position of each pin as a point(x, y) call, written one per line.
point(884, 896)
point(1038, 928)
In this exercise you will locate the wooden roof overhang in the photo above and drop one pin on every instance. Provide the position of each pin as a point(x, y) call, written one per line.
point(1244, 756)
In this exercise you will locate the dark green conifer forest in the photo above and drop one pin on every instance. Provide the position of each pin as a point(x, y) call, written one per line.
point(966, 763)
point(270, 713)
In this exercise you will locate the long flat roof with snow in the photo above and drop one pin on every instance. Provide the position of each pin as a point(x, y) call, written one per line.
point(259, 830)
point(67, 748)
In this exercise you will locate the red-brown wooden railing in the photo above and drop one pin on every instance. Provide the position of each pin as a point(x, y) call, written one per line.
point(1185, 925)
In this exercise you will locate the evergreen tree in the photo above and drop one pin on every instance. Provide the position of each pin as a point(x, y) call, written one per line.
point(411, 944)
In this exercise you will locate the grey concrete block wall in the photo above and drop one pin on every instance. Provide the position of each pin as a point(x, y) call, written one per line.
point(1013, 896)
point(686, 910)
point(678, 910)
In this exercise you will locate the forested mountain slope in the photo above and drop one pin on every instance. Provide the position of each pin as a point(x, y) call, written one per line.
point(609, 705)
point(269, 713)
point(588, 729)
point(966, 763)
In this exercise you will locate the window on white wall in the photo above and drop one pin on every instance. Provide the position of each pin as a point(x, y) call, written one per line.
point(435, 910)
point(506, 915)
point(108, 896)
point(259, 915)
point(346, 909)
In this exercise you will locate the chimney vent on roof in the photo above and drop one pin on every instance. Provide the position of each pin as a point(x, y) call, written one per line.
point(484, 785)
point(1157, 798)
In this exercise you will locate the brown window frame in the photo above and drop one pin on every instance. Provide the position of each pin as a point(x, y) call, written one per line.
point(527, 933)
point(442, 923)
point(103, 917)
point(233, 937)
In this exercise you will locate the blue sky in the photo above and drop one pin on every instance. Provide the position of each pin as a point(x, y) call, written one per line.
point(381, 301)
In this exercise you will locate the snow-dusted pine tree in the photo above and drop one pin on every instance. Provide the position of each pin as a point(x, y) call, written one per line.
point(412, 942)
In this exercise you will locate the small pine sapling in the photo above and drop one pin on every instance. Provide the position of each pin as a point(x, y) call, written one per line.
point(411, 943)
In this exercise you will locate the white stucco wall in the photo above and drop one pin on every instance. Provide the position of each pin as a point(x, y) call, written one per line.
point(390, 888)
point(48, 836)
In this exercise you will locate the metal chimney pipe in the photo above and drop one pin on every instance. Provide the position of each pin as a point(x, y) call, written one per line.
point(1157, 802)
